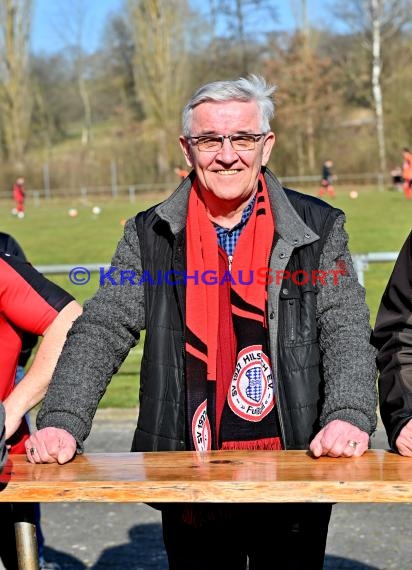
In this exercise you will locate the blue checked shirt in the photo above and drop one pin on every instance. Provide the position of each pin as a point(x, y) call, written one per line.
point(226, 238)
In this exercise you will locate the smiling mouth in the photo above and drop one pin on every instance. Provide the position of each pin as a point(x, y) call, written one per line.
point(227, 172)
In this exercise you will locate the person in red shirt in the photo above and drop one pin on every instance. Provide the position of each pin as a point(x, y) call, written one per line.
point(18, 197)
point(407, 173)
point(28, 303)
point(181, 172)
point(9, 245)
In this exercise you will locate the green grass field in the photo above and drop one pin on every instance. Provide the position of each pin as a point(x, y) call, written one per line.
point(376, 221)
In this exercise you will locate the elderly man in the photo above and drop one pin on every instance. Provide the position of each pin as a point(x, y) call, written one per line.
point(257, 334)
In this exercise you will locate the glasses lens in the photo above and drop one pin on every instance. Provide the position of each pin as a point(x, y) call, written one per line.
point(243, 142)
point(209, 143)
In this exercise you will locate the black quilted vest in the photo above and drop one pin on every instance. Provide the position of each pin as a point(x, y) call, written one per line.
point(161, 423)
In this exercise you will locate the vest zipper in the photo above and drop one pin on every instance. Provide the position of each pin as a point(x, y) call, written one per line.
point(230, 259)
point(276, 363)
point(290, 308)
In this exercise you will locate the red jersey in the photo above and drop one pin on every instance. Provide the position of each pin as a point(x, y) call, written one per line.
point(18, 193)
point(28, 302)
point(407, 166)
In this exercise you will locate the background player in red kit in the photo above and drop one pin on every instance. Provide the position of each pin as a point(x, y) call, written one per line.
point(18, 197)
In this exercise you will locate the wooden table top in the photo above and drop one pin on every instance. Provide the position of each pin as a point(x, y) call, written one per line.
point(217, 476)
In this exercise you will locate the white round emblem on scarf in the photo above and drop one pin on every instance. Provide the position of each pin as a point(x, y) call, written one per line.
point(251, 393)
point(201, 428)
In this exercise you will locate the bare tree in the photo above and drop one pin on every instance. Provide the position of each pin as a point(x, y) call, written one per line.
point(15, 101)
point(243, 20)
point(308, 99)
point(376, 22)
point(117, 63)
point(376, 18)
point(160, 69)
point(304, 79)
point(70, 25)
point(308, 57)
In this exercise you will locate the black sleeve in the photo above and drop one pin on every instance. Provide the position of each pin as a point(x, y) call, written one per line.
point(29, 341)
point(52, 293)
point(392, 336)
point(11, 246)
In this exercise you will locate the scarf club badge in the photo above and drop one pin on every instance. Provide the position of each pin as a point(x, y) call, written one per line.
point(201, 428)
point(251, 393)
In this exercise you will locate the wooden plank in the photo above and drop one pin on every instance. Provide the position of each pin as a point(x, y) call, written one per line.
point(218, 476)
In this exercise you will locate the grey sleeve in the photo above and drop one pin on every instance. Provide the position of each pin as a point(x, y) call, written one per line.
point(348, 357)
point(3, 448)
point(97, 343)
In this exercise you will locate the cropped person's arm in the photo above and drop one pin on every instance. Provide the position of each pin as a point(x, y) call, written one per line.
point(32, 388)
point(392, 336)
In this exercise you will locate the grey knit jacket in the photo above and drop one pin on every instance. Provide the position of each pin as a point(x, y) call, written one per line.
point(110, 326)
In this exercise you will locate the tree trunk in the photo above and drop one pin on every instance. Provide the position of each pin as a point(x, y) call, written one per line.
point(87, 109)
point(15, 104)
point(376, 81)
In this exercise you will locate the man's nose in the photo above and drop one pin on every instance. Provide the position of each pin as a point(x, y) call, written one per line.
point(227, 152)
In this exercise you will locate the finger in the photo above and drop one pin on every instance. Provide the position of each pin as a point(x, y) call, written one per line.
point(52, 450)
point(66, 452)
point(360, 450)
point(348, 451)
point(316, 449)
point(330, 446)
point(45, 454)
point(405, 451)
point(323, 443)
point(356, 444)
point(57, 445)
point(354, 448)
point(35, 455)
point(404, 446)
point(30, 451)
point(43, 448)
point(330, 440)
point(340, 448)
point(316, 446)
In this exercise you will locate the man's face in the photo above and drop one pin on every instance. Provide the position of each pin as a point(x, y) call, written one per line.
point(227, 176)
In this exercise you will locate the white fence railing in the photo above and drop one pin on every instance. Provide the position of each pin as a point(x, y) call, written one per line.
point(361, 261)
point(133, 191)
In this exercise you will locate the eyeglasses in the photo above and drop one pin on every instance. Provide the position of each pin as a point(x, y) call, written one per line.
point(214, 143)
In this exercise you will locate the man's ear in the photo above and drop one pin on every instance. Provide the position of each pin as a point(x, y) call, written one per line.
point(187, 150)
point(268, 145)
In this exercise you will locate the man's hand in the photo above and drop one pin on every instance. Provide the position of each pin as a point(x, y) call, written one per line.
point(341, 439)
point(51, 445)
point(404, 440)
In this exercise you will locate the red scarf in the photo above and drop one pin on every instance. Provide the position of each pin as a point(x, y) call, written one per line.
point(230, 387)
